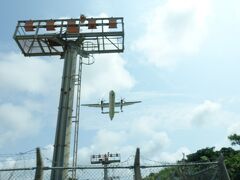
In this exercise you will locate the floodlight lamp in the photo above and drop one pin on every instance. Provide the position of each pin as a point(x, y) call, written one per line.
point(29, 26)
point(112, 23)
point(50, 25)
point(92, 24)
point(72, 27)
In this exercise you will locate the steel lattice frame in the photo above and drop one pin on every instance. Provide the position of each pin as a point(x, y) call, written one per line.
point(42, 42)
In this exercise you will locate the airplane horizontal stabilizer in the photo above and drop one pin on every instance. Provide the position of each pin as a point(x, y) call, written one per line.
point(108, 112)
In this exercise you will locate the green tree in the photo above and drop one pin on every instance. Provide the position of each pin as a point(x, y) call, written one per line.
point(164, 174)
point(206, 154)
point(233, 166)
point(235, 139)
point(231, 159)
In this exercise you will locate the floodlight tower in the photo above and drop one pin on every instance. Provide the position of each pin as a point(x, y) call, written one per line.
point(69, 38)
point(105, 160)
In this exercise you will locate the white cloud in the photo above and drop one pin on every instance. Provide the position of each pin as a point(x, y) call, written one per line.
point(38, 76)
point(109, 140)
point(16, 122)
point(213, 114)
point(8, 163)
point(177, 116)
point(204, 112)
point(149, 130)
point(155, 144)
point(173, 157)
point(234, 128)
point(146, 131)
point(173, 29)
point(126, 152)
point(107, 73)
point(27, 159)
point(31, 75)
point(125, 141)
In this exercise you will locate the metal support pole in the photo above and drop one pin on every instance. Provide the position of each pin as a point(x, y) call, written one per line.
point(222, 170)
point(137, 170)
point(105, 172)
point(64, 122)
point(39, 168)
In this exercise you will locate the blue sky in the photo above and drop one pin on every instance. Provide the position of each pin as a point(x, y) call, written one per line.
point(181, 59)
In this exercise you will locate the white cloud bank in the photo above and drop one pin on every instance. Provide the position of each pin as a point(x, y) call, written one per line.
point(205, 112)
point(37, 76)
point(234, 128)
point(150, 130)
point(16, 122)
point(124, 142)
point(107, 73)
point(20, 76)
point(31, 75)
point(173, 29)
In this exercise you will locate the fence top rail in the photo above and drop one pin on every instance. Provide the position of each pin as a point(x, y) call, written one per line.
point(114, 167)
point(18, 169)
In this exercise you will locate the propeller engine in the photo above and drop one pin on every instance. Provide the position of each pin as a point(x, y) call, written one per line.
point(102, 101)
point(121, 104)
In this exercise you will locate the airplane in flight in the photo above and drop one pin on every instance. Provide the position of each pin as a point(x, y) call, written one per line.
point(112, 104)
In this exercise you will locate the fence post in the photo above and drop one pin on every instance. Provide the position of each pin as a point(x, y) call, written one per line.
point(137, 170)
point(39, 165)
point(222, 170)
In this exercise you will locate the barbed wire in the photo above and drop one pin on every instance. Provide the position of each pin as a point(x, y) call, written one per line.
point(19, 153)
point(143, 158)
point(130, 158)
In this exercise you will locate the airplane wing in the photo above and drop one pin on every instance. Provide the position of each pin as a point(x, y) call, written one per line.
point(125, 103)
point(96, 105)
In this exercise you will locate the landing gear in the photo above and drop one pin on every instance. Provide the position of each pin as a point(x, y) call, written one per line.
point(121, 104)
point(102, 105)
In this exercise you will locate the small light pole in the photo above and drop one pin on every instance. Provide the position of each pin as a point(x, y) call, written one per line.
point(105, 160)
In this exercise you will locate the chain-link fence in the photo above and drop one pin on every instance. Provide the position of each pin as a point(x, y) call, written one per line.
point(193, 171)
point(19, 174)
point(190, 171)
point(23, 169)
point(82, 173)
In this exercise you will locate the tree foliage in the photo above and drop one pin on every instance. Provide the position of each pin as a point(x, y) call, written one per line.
point(235, 139)
point(231, 159)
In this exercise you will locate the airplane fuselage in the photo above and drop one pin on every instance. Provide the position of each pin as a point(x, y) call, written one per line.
point(111, 104)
